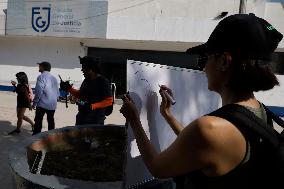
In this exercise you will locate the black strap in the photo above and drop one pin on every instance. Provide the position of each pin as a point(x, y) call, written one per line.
point(277, 119)
point(240, 117)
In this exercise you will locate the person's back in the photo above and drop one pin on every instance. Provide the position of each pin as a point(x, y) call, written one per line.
point(22, 95)
point(252, 172)
point(50, 91)
point(45, 99)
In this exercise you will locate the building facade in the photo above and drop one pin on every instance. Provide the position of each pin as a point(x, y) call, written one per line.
point(157, 31)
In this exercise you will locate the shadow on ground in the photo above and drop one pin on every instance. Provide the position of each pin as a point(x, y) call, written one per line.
point(6, 144)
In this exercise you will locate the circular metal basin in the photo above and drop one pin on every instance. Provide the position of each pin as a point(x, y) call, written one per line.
point(87, 156)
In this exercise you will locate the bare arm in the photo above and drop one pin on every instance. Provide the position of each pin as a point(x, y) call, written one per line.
point(174, 123)
point(188, 152)
point(165, 110)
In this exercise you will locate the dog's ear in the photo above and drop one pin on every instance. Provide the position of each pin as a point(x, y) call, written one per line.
point(79, 57)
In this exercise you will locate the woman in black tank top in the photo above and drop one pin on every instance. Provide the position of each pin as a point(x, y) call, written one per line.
point(211, 152)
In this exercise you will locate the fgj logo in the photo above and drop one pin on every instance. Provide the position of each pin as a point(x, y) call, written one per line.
point(40, 24)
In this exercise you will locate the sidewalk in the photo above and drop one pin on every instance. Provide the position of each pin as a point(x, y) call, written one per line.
point(8, 119)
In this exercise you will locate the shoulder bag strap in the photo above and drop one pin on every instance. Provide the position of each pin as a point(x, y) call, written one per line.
point(276, 118)
point(242, 117)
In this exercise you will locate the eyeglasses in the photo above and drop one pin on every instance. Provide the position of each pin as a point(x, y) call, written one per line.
point(202, 59)
point(201, 62)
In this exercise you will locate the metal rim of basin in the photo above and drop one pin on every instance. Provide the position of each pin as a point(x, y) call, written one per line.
point(19, 164)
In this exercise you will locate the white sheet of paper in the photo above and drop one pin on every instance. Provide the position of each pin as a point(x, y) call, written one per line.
point(193, 100)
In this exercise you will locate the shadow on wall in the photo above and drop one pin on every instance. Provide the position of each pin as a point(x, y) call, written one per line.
point(134, 159)
point(137, 162)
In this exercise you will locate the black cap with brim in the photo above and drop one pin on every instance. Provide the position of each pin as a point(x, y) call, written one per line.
point(205, 48)
point(200, 49)
point(244, 35)
point(89, 62)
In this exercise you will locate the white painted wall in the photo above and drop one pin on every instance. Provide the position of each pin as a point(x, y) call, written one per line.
point(182, 20)
point(3, 6)
point(166, 20)
point(2, 24)
point(172, 25)
point(147, 20)
point(22, 54)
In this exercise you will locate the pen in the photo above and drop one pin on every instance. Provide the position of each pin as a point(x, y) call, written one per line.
point(168, 96)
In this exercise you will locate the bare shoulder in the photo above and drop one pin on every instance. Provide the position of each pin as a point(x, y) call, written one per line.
point(209, 143)
point(207, 125)
point(216, 133)
point(224, 143)
point(212, 123)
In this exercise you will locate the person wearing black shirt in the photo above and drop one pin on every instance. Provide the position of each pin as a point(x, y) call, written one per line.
point(23, 100)
point(94, 94)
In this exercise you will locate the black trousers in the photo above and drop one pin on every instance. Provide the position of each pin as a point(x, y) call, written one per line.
point(83, 118)
point(39, 117)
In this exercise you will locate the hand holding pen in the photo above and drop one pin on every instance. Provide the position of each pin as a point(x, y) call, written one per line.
point(167, 93)
point(129, 109)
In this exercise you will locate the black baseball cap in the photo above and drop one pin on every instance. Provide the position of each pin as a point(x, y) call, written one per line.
point(244, 35)
point(46, 65)
point(90, 62)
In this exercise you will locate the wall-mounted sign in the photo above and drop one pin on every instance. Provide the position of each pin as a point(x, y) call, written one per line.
point(40, 23)
point(52, 18)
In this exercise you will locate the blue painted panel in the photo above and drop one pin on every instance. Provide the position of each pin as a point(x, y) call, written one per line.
point(276, 1)
point(9, 88)
point(63, 93)
point(6, 88)
point(277, 110)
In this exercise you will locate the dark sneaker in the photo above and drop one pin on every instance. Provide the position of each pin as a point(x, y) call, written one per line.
point(16, 131)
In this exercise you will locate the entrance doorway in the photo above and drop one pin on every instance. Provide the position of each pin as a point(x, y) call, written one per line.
point(114, 62)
